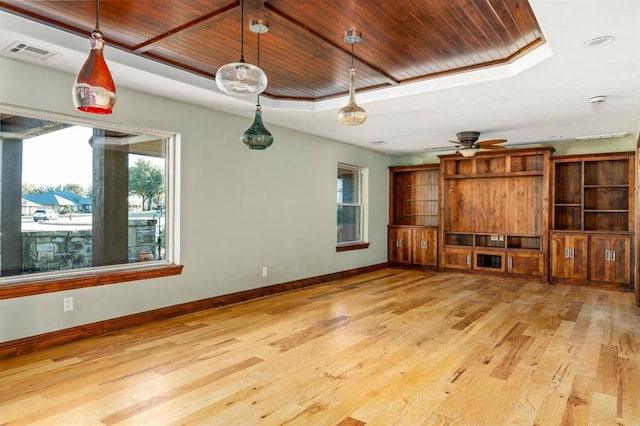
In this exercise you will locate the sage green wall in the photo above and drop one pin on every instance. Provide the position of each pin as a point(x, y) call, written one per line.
point(240, 209)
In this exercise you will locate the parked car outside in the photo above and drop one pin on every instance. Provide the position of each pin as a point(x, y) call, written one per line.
point(44, 214)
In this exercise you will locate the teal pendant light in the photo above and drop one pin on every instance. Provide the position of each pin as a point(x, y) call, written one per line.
point(257, 136)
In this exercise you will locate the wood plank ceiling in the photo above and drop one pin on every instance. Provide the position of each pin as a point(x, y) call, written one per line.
point(303, 54)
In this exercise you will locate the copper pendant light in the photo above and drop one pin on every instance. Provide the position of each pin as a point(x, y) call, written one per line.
point(94, 91)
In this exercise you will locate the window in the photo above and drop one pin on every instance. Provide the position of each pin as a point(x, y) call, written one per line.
point(350, 208)
point(82, 200)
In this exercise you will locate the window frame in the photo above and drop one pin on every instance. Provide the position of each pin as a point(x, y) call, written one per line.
point(47, 282)
point(363, 194)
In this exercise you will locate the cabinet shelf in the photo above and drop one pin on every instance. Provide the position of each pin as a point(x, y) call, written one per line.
point(593, 192)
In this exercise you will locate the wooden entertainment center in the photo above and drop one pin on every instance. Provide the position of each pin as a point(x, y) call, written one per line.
point(521, 213)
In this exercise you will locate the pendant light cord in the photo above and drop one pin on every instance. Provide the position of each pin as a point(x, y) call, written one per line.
point(258, 97)
point(241, 30)
point(98, 15)
point(352, 54)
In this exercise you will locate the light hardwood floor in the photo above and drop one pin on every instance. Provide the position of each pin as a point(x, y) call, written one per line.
point(392, 347)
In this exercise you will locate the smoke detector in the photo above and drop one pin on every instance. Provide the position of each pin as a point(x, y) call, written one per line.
point(598, 99)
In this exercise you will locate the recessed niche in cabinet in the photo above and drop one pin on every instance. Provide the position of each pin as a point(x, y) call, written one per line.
point(606, 172)
point(415, 197)
point(568, 185)
point(484, 260)
point(606, 198)
point(459, 239)
point(520, 242)
point(568, 217)
point(606, 221)
point(458, 167)
point(491, 165)
point(489, 240)
point(527, 163)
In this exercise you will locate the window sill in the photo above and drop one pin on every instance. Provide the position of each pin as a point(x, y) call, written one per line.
point(354, 246)
point(88, 279)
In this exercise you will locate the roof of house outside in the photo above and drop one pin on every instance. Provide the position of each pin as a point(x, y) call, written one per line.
point(57, 198)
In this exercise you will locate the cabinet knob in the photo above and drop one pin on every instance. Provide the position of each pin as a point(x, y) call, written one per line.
point(468, 260)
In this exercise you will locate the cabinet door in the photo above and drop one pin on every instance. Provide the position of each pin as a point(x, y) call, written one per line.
point(569, 256)
point(610, 258)
point(457, 258)
point(525, 263)
point(400, 245)
point(425, 247)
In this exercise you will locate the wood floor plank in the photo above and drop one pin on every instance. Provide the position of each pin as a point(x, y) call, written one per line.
point(390, 347)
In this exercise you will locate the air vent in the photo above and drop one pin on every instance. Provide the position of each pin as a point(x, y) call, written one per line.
point(25, 50)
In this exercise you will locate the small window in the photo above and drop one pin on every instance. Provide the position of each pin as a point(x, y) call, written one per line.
point(350, 206)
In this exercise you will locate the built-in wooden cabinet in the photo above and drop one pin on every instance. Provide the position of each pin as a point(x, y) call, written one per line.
point(494, 211)
point(610, 258)
point(591, 258)
point(569, 256)
point(511, 254)
point(413, 245)
point(518, 212)
point(414, 214)
point(593, 198)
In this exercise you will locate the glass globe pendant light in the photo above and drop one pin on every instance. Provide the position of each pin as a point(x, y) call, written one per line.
point(94, 90)
point(352, 114)
point(241, 78)
point(257, 136)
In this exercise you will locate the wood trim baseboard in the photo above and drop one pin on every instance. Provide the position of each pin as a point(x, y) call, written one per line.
point(42, 341)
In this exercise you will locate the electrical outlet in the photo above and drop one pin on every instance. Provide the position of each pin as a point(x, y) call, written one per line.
point(67, 304)
point(264, 271)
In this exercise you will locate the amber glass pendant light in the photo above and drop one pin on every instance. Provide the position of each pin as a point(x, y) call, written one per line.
point(352, 114)
point(257, 136)
point(241, 78)
point(94, 90)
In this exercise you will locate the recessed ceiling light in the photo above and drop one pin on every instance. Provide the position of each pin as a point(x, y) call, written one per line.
point(555, 137)
point(378, 142)
point(600, 99)
point(598, 41)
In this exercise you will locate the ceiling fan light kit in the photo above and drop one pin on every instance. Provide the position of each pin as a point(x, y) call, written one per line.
point(352, 114)
point(468, 144)
point(240, 78)
point(94, 91)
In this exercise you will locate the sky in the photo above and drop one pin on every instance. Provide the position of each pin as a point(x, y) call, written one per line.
point(62, 157)
point(58, 158)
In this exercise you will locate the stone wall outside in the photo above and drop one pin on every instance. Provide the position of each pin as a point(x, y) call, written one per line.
point(63, 250)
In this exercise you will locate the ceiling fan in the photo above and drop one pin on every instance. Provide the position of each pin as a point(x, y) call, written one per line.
point(468, 144)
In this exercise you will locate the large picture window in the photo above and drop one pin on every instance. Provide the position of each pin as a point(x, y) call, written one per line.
point(79, 198)
point(350, 208)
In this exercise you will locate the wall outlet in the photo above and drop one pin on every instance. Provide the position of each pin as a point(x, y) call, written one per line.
point(67, 304)
point(264, 271)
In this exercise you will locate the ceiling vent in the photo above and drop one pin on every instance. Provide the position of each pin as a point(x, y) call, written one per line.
point(29, 51)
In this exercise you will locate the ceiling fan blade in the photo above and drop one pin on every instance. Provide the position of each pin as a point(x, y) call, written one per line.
point(457, 142)
point(496, 147)
point(490, 142)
